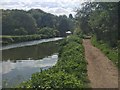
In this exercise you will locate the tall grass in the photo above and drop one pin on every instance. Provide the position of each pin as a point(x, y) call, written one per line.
point(111, 53)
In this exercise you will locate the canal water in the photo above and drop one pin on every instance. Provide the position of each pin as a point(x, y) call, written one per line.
point(20, 61)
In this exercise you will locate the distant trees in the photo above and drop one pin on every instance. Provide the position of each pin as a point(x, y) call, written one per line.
point(50, 32)
point(70, 16)
point(36, 13)
point(46, 20)
point(100, 18)
point(106, 25)
point(17, 19)
point(20, 31)
point(20, 22)
point(65, 24)
point(82, 17)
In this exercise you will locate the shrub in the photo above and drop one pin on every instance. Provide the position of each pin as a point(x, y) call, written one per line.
point(111, 53)
point(69, 72)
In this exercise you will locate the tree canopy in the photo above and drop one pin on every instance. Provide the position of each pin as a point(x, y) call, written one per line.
point(17, 19)
point(20, 22)
point(101, 19)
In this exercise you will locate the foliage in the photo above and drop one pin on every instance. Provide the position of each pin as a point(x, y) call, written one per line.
point(20, 31)
point(78, 32)
point(65, 24)
point(69, 72)
point(46, 20)
point(70, 16)
point(20, 22)
point(16, 19)
point(111, 53)
point(82, 17)
point(50, 32)
point(20, 25)
point(21, 38)
point(101, 19)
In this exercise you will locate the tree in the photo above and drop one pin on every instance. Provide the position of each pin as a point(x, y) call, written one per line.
point(70, 16)
point(49, 32)
point(20, 31)
point(83, 15)
point(100, 18)
point(13, 19)
point(63, 26)
point(104, 23)
point(26, 22)
point(46, 20)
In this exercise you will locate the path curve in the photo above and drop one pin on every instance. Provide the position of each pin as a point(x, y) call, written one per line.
point(102, 73)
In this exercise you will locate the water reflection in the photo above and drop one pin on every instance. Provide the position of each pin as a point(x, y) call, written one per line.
point(18, 64)
point(29, 43)
point(21, 70)
point(31, 52)
point(21, 64)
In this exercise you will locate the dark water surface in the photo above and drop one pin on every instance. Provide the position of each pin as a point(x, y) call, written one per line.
point(19, 63)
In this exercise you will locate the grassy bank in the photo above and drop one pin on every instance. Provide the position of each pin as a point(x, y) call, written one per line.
point(69, 72)
point(6, 39)
point(111, 53)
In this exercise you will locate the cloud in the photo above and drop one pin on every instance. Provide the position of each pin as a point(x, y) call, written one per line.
point(57, 7)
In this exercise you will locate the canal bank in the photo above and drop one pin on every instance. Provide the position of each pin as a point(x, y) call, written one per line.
point(20, 62)
point(70, 71)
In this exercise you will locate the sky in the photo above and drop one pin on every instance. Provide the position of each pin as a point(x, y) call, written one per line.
point(57, 7)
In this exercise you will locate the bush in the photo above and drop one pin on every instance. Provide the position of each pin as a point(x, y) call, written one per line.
point(23, 38)
point(69, 72)
point(49, 32)
point(111, 53)
point(20, 31)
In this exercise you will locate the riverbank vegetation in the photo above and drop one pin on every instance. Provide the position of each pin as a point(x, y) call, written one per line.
point(97, 19)
point(100, 19)
point(43, 33)
point(20, 22)
point(36, 23)
point(7, 39)
point(69, 72)
point(111, 53)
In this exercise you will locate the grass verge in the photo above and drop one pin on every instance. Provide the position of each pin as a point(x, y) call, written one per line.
point(111, 53)
point(6, 39)
point(69, 72)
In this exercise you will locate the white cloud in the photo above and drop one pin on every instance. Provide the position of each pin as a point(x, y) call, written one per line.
point(57, 7)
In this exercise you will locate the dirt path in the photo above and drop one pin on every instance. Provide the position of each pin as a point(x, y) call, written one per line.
point(102, 72)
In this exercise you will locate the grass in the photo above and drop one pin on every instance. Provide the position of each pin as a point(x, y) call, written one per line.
point(6, 39)
point(69, 72)
point(111, 53)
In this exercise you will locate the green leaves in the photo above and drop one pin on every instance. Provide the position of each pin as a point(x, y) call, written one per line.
point(16, 19)
point(112, 54)
point(101, 19)
point(49, 32)
point(69, 72)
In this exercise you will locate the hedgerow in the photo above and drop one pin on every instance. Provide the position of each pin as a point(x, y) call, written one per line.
point(69, 72)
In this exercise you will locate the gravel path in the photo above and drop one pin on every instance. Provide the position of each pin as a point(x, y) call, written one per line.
point(102, 72)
